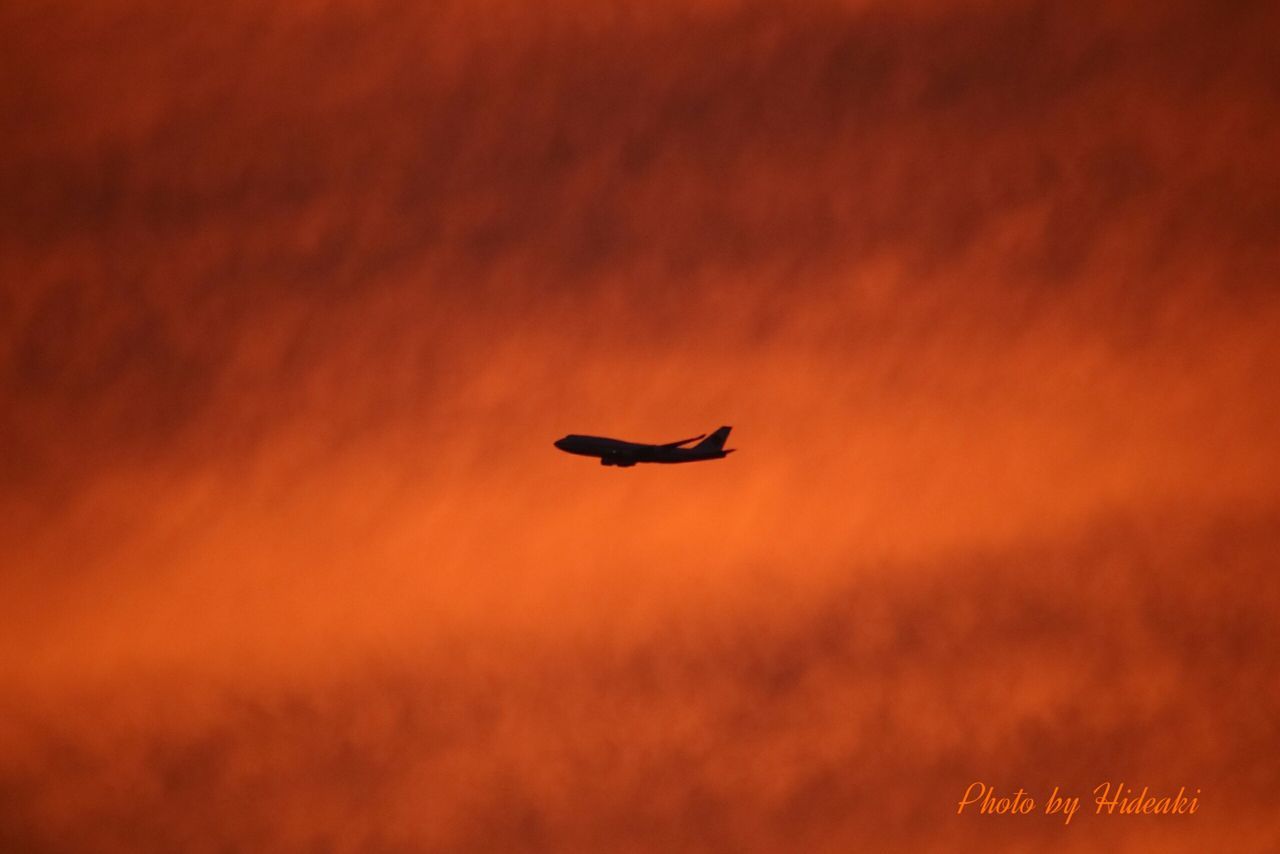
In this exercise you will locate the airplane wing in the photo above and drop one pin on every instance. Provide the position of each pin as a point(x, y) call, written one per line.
point(683, 442)
point(618, 458)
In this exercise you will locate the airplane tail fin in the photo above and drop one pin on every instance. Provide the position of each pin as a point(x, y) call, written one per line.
point(714, 442)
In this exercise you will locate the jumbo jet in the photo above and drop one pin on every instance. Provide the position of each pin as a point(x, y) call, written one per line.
point(615, 452)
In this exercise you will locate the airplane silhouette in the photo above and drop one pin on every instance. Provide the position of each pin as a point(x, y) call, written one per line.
point(615, 452)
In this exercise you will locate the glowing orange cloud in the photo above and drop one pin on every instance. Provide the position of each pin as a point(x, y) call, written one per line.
point(294, 301)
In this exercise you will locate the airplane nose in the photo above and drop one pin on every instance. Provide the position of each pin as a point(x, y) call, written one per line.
point(559, 443)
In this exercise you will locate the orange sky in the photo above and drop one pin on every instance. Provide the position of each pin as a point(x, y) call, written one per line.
point(294, 300)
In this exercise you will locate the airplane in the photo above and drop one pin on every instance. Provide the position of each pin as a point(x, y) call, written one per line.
point(615, 452)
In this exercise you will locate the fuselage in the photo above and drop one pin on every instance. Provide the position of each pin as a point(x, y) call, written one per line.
point(621, 453)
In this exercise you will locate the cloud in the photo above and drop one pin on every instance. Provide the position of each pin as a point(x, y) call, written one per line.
point(294, 300)
point(859, 714)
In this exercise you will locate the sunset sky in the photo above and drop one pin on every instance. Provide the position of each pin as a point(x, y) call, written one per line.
point(295, 297)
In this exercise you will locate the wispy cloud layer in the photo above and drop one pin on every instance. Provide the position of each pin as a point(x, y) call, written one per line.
point(293, 302)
